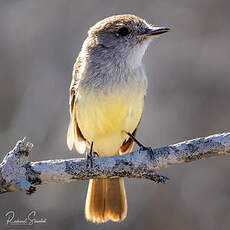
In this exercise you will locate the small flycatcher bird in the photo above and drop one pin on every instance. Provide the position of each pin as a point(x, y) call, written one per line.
point(106, 102)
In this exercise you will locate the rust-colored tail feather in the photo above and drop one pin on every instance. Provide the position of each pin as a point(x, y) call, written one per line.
point(106, 200)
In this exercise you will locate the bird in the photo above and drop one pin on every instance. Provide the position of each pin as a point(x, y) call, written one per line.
point(106, 103)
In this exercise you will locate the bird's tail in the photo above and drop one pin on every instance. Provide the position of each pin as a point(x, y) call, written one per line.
point(106, 200)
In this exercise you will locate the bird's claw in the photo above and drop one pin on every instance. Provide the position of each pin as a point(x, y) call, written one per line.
point(90, 157)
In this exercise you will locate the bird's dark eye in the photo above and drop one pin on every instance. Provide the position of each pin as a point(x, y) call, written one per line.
point(123, 31)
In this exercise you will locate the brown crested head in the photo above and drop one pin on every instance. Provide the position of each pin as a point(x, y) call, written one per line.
point(121, 36)
point(125, 25)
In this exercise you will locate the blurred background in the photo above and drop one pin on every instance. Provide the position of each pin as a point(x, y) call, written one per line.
point(188, 97)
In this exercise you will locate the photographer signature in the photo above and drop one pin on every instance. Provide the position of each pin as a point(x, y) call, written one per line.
point(28, 220)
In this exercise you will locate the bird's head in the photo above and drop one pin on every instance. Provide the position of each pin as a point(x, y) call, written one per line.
point(123, 37)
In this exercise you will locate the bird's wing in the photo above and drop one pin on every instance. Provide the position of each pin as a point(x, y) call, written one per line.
point(74, 135)
point(127, 145)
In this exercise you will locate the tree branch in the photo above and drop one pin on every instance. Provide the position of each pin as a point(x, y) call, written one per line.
point(17, 173)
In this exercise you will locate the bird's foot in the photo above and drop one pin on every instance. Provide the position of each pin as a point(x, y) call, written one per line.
point(91, 155)
point(141, 146)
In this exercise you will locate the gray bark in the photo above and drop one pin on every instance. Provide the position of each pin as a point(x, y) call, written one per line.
point(17, 173)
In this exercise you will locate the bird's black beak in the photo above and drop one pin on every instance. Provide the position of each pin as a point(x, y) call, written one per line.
point(155, 31)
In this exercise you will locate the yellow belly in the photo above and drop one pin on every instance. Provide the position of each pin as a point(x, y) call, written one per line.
point(104, 118)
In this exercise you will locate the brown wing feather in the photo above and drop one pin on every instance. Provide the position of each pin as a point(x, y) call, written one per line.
point(74, 134)
point(127, 145)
